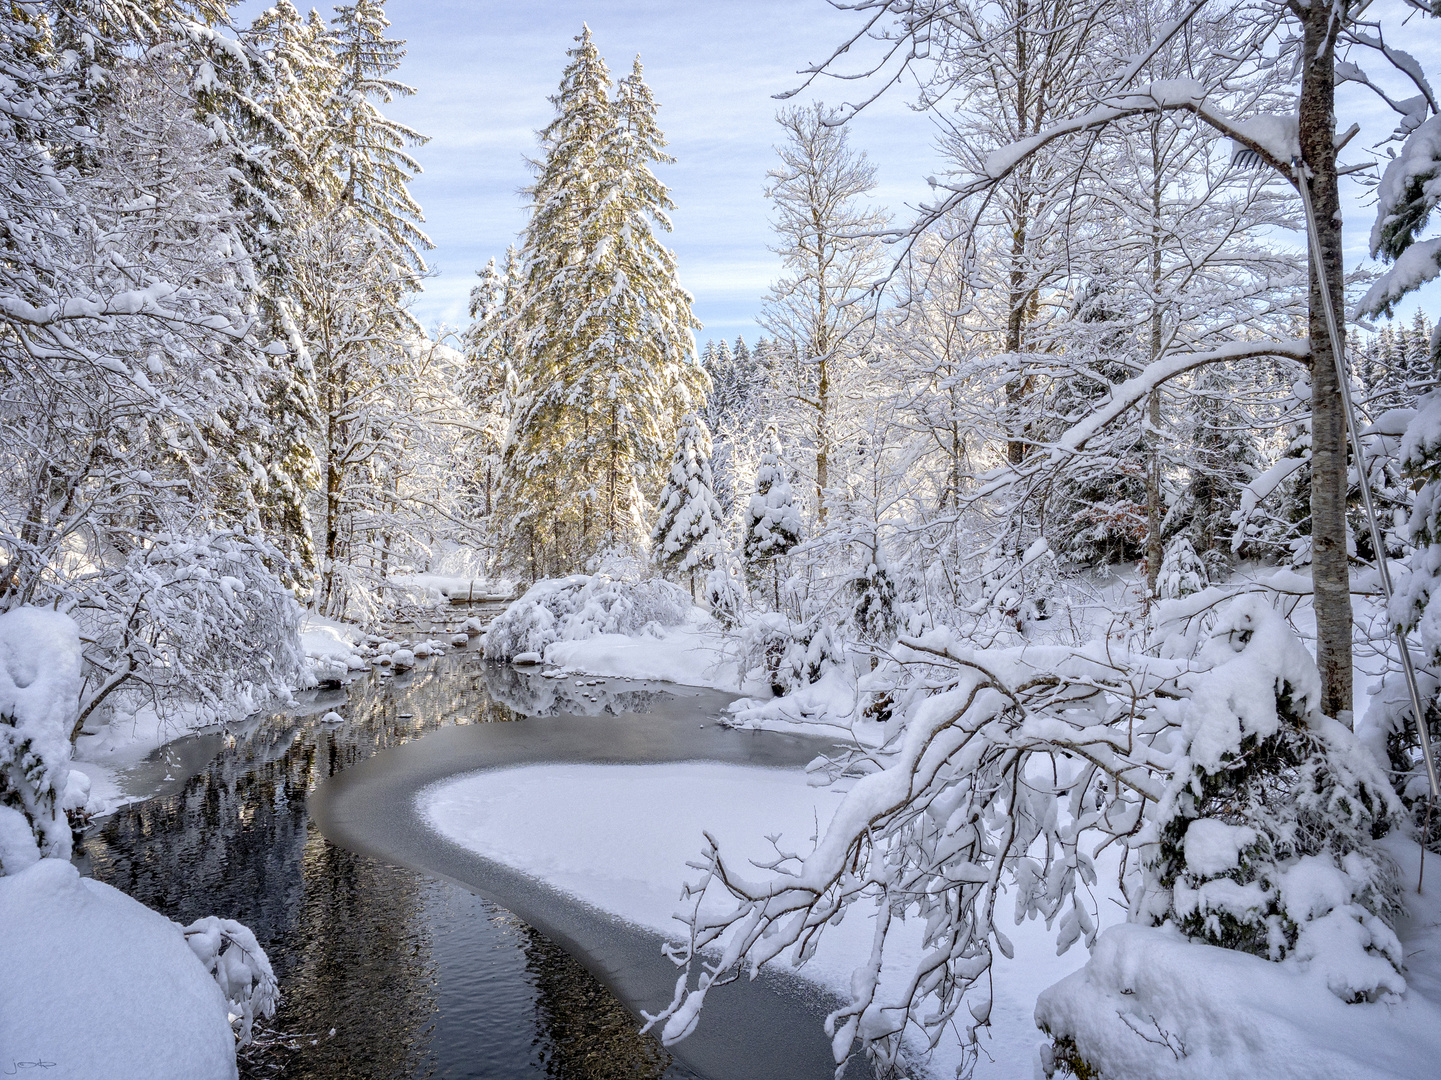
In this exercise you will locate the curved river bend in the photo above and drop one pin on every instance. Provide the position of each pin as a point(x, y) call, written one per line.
point(426, 959)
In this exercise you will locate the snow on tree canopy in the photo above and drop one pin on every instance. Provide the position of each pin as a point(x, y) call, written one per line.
point(39, 696)
point(772, 524)
point(688, 532)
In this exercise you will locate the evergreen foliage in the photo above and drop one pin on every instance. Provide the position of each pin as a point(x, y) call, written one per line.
point(1271, 807)
point(772, 522)
point(688, 534)
point(609, 365)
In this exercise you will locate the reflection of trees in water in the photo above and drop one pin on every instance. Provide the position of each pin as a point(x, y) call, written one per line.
point(532, 694)
point(344, 933)
point(350, 939)
point(359, 961)
point(585, 1033)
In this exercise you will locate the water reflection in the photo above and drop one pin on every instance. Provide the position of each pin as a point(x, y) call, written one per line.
point(528, 691)
point(418, 978)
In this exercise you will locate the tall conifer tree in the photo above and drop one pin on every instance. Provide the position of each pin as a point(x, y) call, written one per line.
point(609, 364)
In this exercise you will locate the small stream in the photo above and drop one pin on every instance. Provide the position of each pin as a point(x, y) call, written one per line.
point(392, 963)
point(418, 977)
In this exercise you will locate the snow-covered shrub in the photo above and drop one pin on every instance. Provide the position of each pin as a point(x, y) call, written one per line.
point(1183, 572)
point(239, 965)
point(1263, 839)
point(39, 688)
point(198, 619)
point(788, 654)
point(724, 596)
point(772, 522)
point(1014, 589)
point(875, 615)
point(579, 607)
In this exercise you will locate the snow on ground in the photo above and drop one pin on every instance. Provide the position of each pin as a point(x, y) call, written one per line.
point(627, 855)
point(444, 586)
point(94, 984)
point(693, 656)
point(1162, 1007)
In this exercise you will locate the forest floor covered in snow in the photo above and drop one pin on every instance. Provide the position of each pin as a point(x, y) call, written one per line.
point(1235, 1015)
point(1213, 1012)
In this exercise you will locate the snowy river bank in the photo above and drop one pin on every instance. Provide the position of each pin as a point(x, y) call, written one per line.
point(424, 960)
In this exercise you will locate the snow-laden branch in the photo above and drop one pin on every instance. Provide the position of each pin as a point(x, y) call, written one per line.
point(1132, 392)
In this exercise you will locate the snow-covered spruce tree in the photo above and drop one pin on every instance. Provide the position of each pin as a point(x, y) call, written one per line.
point(1408, 194)
point(688, 534)
point(356, 252)
point(724, 593)
point(298, 82)
point(135, 428)
point(876, 613)
point(1183, 572)
point(492, 346)
point(1096, 505)
point(772, 524)
point(608, 367)
point(733, 411)
point(1217, 444)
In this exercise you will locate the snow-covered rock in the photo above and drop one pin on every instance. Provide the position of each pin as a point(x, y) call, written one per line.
point(96, 985)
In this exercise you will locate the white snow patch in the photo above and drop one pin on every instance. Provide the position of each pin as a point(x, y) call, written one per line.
point(94, 984)
point(1213, 847)
point(627, 854)
point(1150, 1003)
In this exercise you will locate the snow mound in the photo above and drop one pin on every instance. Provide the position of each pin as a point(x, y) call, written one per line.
point(581, 607)
point(331, 649)
point(96, 984)
point(1152, 1004)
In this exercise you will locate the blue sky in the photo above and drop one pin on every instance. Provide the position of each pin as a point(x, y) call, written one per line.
point(484, 70)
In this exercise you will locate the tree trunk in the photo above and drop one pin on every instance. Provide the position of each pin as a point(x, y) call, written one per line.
point(1018, 385)
point(1330, 574)
point(332, 502)
point(823, 449)
point(1154, 552)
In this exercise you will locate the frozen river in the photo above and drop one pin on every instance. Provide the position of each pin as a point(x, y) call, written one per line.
point(425, 959)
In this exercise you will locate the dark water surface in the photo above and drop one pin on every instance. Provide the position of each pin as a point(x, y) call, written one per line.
point(418, 977)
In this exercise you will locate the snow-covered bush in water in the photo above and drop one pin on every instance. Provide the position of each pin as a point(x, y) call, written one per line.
point(1006, 770)
point(1183, 572)
point(239, 965)
point(583, 606)
point(39, 685)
